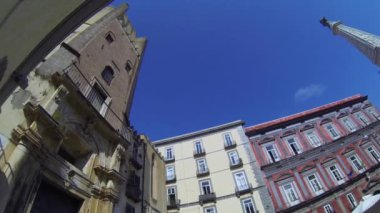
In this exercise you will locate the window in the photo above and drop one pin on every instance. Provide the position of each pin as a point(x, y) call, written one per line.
point(352, 200)
point(373, 112)
point(234, 157)
point(211, 209)
point(169, 153)
point(202, 165)
point(228, 140)
point(272, 153)
point(98, 99)
point(110, 37)
point(360, 116)
point(248, 206)
point(332, 131)
point(128, 66)
point(290, 193)
point(241, 181)
point(349, 124)
point(356, 163)
point(336, 174)
point(172, 194)
point(129, 209)
point(313, 139)
point(328, 208)
point(315, 184)
point(170, 172)
point(205, 187)
point(293, 145)
point(198, 147)
point(373, 153)
point(108, 74)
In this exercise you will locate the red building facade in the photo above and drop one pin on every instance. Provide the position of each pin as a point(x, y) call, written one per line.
point(320, 160)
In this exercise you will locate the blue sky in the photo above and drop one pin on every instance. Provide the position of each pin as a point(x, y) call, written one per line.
point(209, 62)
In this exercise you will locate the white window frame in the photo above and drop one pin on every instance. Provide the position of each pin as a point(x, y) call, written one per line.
point(171, 151)
point(349, 124)
point(352, 200)
point(238, 183)
point(212, 208)
point(315, 143)
point(362, 118)
point(328, 208)
point(333, 127)
point(248, 202)
point(358, 161)
point(225, 139)
point(317, 181)
point(376, 159)
point(167, 172)
point(201, 147)
point(95, 85)
point(204, 162)
point(171, 188)
point(275, 152)
point(201, 187)
point(233, 156)
point(293, 190)
point(373, 112)
point(295, 141)
point(339, 171)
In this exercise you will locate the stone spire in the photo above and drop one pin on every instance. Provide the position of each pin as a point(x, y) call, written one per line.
point(367, 43)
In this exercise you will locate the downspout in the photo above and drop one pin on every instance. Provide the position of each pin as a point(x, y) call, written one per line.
point(143, 178)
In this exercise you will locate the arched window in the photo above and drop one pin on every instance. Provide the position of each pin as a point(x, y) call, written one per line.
point(110, 37)
point(108, 74)
point(128, 66)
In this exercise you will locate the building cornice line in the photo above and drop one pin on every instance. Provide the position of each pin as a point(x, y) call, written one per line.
point(198, 133)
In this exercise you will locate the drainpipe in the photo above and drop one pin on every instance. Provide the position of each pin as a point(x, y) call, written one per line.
point(143, 178)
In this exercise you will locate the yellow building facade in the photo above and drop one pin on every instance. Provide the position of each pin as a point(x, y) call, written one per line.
point(213, 170)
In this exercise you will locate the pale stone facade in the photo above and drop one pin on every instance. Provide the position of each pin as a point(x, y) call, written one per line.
point(213, 170)
point(66, 142)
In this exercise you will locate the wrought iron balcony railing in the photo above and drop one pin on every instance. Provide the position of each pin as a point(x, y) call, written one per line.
point(173, 204)
point(203, 173)
point(169, 160)
point(199, 153)
point(230, 145)
point(207, 198)
point(133, 192)
point(243, 189)
point(98, 100)
point(171, 179)
point(236, 164)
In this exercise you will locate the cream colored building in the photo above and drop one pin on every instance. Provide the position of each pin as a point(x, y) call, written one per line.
point(213, 170)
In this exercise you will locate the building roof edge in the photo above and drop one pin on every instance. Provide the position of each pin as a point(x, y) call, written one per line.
point(198, 133)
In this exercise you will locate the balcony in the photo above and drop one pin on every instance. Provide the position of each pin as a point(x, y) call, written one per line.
point(169, 160)
point(97, 100)
point(207, 198)
point(236, 165)
point(133, 192)
point(173, 204)
point(203, 173)
point(171, 179)
point(136, 161)
point(199, 153)
point(229, 145)
point(243, 190)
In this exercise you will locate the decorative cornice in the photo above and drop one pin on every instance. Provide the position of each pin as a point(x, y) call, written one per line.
point(198, 133)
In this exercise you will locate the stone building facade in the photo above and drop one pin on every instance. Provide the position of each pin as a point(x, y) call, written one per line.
point(320, 160)
point(66, 140)
point(213, 170)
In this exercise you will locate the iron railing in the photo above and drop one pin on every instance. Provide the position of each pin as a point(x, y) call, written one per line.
point(99, 101)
